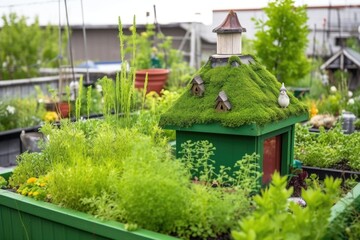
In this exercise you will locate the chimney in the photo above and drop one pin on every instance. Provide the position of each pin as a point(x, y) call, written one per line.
point(229, 35)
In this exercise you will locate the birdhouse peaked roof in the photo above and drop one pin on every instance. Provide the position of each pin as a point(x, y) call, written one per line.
point(197, 80)
point(335, 63)
point(231, 24)
point(222, 97)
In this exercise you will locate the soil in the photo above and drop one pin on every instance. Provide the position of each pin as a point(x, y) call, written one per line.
point(225, 236)
point(342, 166)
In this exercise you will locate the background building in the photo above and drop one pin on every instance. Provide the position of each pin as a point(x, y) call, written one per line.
point(329, 25)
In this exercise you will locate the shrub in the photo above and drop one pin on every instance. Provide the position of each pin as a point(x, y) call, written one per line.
point(18, 113)
point(29, 165)
point(276, 218)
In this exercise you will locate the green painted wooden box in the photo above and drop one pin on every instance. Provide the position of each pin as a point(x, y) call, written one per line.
point(274, 142)
point(26, 218)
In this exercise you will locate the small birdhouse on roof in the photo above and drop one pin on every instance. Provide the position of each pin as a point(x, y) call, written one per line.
point(198, 87)
point(222, 102)
point(229, 35)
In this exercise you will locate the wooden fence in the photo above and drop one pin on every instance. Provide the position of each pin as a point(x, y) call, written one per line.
point(22, 88)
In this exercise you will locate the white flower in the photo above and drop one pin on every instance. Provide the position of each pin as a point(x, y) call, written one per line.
point(10, 109)
point(98, 88)
point(350, 94)
point(333, 89)
point(351, 101)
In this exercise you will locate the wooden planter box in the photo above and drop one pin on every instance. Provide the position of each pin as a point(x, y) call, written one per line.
point(341, 205)
point(323, 172)
point(26, 218)
point(343, 215)
point(273, 142)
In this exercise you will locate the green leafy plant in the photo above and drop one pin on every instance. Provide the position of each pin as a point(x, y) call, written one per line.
point(35, 188)
point(29, 165)
point(17, 113)
point(35, 47)
point(281, 40)
point(347, 224)
point(3, 182)
point(329, 148)
point(196, 157)
point(152, 49)
point(276, 218)
point(248, 175)
point(153, 106)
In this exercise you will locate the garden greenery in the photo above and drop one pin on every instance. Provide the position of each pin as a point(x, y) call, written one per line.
point(24, 48)
point(196, 157)
point(122, 168)
point(252, 80)
point(327, 149)
point(281, 40)
point(129, 171)
point(131, 178)
point(347, 224)
point(277, 218)
point(19, 113)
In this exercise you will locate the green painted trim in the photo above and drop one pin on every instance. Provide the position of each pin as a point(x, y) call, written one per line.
point(342, 204)
point(6, 172)
point(246, 130)
point(73, 219)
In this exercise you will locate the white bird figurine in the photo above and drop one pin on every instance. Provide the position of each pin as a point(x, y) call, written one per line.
point(283, 99)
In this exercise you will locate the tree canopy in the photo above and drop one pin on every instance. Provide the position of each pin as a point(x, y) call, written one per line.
point(24, 48)
point(281, 40)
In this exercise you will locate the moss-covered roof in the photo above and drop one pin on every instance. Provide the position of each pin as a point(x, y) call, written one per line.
point(252, 91)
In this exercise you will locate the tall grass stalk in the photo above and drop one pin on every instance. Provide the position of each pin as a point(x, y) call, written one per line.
point(78, 99)
point(67, 90)
point(145, 90)
point(88, 101)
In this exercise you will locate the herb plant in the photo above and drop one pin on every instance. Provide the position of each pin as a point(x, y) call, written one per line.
point(276, 218)
point(347, 224)
point(330, 148)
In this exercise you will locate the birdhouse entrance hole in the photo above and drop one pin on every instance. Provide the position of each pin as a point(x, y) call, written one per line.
point(272, 157)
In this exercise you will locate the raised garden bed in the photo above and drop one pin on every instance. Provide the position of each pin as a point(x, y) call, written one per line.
point(26, 218)
point(336, 173)
point(345, 217)
point(11, 145)
point(328, 152)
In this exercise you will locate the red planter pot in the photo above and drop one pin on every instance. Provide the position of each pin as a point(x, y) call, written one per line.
point(63, 109)
point(157, 78)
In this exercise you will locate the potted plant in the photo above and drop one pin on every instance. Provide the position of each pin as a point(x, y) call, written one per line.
point(152, 57)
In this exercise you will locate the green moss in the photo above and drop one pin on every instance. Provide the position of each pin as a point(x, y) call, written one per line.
point(251, 90)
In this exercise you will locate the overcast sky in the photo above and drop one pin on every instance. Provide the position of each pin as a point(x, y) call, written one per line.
point(107, 11)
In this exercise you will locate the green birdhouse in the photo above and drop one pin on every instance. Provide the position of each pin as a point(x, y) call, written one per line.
point(238, 110)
